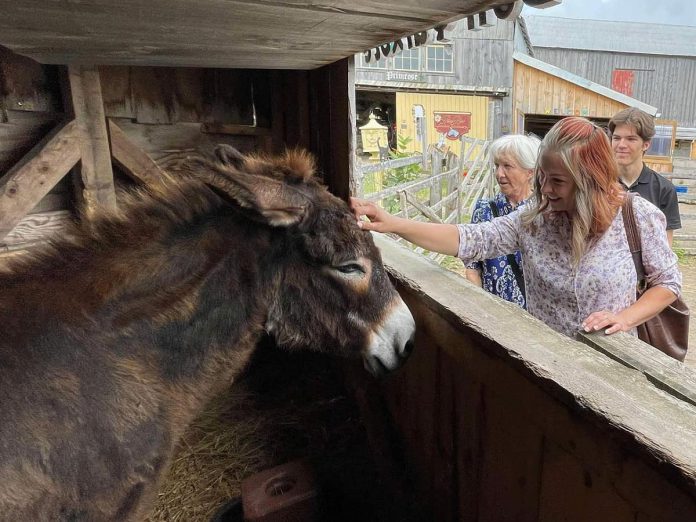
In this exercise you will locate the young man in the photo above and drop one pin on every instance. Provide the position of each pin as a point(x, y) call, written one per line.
point(631, 131)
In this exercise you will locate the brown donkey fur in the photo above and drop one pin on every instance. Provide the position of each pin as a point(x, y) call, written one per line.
point(115, 336)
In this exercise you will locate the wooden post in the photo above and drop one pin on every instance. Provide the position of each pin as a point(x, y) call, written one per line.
point(96, 173)
point(332, 120)
point(420, 122)
point(435, 185)
point(37, 173)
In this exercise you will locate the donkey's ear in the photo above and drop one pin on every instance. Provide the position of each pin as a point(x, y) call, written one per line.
point(280, 204)
point(229, 156)
point(276, 203)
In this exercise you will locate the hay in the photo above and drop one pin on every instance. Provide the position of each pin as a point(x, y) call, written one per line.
point(222, 447)
point(287, 406)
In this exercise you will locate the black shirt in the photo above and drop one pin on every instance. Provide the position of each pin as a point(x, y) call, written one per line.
point(660, 192)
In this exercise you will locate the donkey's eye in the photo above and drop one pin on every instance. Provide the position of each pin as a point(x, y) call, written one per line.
point(351, 268)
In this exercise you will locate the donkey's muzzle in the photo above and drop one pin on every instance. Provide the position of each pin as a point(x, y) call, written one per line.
point(392, 341)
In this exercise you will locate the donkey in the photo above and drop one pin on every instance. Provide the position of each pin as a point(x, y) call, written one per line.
point(114, 337)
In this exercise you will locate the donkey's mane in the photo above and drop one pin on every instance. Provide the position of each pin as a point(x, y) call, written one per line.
point(146, 214)
point(143, 215)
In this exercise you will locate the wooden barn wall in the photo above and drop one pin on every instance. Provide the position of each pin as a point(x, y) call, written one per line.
point(499, 418)
point(664, 82)
point(31, 105)
point(482, 65)
point(171, 112)
point(536, 92)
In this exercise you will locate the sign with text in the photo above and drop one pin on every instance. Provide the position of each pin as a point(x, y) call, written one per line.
point(403, 76)
point(452, 124)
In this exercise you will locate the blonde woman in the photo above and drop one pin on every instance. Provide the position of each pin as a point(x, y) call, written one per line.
point(579, 271)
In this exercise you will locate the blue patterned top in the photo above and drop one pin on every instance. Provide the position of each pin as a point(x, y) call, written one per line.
point(496, 274)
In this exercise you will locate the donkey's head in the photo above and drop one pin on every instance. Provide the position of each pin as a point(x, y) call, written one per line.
point(333, 293)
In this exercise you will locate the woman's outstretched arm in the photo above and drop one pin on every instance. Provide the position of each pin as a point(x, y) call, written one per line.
point(436, 237)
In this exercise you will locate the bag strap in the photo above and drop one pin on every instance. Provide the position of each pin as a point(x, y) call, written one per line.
point(629, 219)
point(511, 259)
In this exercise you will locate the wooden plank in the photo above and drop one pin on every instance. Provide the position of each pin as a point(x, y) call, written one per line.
point(235, 130)
point(296, 110)
point(228, 97)
point(622, 444)
point(570, 491)
point(210, 33)
point(116, 91)
point(664, 372)
point(277, 112)
point(26, 85)
point(444, 202)
point(391, 164)
point(332, 120)
point(152, 91)
point(95, 166)
point(21, 131)
point(409, 185)
point(169, 143)
point(134, 161)
point(34, 176)
point(680, 175)
point(36, 228)
point(422, 208)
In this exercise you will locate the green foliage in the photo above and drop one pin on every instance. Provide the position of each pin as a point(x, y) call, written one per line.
point(452, 263)
point(402, 174)
point(397, 176)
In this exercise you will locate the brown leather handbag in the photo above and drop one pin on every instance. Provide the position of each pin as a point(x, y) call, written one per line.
point(669, 330)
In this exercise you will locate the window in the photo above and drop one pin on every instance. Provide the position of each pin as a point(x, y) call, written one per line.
point(439, 58)
point(661, 144)
point(408, 60)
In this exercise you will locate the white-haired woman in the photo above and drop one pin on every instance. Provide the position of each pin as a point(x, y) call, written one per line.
point(514, 157)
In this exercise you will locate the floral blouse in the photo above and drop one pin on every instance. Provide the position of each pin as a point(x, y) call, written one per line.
point(605, 279)
point(496, 274)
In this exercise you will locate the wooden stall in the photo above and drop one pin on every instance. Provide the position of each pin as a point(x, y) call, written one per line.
point(500, 418)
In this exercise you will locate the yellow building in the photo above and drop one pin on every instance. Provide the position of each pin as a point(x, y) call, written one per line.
point(408, 104)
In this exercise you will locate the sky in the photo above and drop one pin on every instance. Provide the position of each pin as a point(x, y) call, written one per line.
point(673, 12)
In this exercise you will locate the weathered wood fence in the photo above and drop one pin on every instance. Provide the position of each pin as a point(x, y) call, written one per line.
point(447, 191)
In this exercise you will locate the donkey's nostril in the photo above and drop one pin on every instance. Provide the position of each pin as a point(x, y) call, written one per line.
point(408, 348)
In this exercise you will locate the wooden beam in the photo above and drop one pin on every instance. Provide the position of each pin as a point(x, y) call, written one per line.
point(37, 173)
point(235, 130)
point(96, 172)
point(332, 113)
point(134, 160)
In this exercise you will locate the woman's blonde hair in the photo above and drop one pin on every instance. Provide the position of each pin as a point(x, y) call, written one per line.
point(586, 152)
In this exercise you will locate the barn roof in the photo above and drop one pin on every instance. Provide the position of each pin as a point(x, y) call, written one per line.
point(583, 82)
point(268, 34)
point(603, 35)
